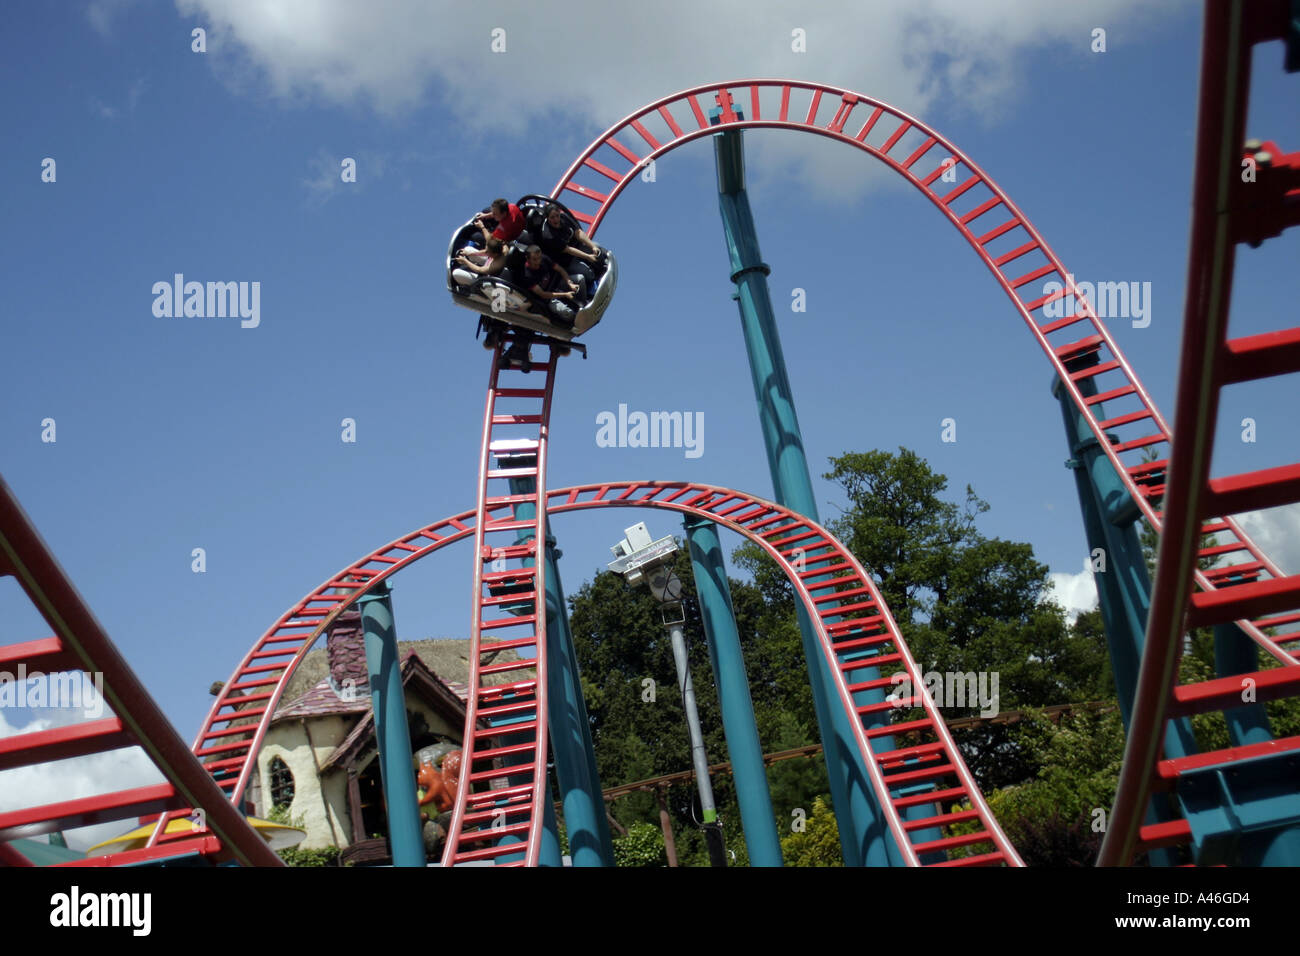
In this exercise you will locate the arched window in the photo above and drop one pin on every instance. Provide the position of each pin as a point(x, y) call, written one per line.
point(281, 783)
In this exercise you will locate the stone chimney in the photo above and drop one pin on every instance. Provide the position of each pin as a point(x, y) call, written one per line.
point(345, 649)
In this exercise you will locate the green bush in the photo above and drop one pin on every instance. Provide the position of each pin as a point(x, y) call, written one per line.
point(325, 856)
point(818, 844)
point(643, 846)
point(1052, 820)
point(295, 856)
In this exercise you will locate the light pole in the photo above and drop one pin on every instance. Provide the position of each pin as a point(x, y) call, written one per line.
point(643, 561)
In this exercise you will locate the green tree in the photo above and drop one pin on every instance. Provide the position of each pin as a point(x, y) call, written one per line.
point(774, 657)
point(965, 603)
point(629, 680)
point(638, 723)
point(643, 846)
point(818, 844)
point(793, 783)
point(1057, 818)
point(899, 527)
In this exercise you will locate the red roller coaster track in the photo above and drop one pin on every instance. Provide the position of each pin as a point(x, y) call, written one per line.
point(1226, 210)
point(80, 644)
point(1023, 265)
point(1004, 239)
point(503, 793)
point(847, 610)
point(1121, 414)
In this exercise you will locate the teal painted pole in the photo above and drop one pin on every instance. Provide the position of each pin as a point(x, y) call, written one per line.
point(1235, 653)
point(392, 735)
point(590, 842)
point(863, 838)
point(581, 797)
point(1124, 588)
point(549, 853)
point(743, 745)
point(1125, 621)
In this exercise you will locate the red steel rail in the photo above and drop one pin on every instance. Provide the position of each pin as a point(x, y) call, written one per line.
point(1121, 414)
point(1020, 261)
point(1226, 210)
point(506, 797)
point(847, 610)
point(79, 644)
point(1007, 243)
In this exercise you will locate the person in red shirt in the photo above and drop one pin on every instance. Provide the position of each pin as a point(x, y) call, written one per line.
point(505, 221)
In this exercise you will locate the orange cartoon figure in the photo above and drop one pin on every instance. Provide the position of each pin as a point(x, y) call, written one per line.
point(438, 783)
point(437, 777)
point(433, 789)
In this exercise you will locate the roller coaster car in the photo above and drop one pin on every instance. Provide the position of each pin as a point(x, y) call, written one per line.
point(499, 297)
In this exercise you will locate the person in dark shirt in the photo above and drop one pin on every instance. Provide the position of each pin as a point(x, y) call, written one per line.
point(542, 277)
point(566, 245)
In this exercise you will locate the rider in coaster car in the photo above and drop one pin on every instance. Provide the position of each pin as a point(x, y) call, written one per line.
point(567, 245)
point(472, 260)
point(505, 221)
point(542, 276)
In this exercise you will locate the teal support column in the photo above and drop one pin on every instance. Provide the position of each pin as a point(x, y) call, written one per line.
point(590, 841)
point(743, 745)
point(1243, 814)
point(580, 794)
point(863, 838)
point(1235, 653)
point(392, 735)
point(549, 854)
point(1123, 611)
point(1124, 586)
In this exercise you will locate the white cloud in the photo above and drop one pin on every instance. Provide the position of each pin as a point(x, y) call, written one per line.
point(62, 780)
point(1074, 592)
point(102, 14)
point(1277, 532)
point(598, 61)
point(133, 96)
point(324, 178)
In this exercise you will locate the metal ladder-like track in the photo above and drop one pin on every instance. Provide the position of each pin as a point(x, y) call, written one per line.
point(79, 648)
point(504, 787)
point(1095, 374)
point(1228, 209)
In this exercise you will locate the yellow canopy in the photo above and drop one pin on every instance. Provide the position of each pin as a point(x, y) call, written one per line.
point(277, 835)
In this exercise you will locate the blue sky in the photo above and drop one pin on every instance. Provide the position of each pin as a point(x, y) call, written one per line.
point(179, 433)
